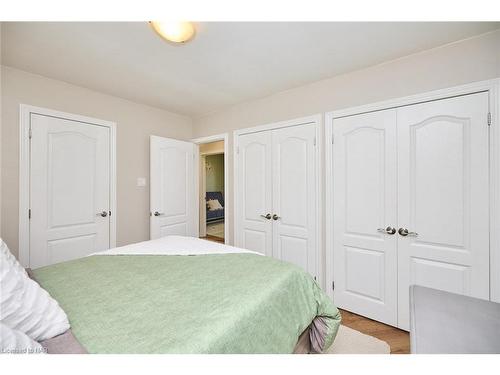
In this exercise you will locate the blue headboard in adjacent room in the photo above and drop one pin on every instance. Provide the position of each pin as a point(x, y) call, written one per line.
point(215, 195)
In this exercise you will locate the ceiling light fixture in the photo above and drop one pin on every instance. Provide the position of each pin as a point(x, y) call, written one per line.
point(175, 32)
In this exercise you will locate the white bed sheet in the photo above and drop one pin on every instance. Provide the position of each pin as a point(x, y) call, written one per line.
point(175, 245)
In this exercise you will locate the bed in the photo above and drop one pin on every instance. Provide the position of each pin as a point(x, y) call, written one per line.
point(218, 214)
point(187, 295)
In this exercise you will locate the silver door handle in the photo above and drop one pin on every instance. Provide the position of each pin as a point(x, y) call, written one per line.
point(389, 230)
point(404, 232)
point(275, 217)
point(157, 213)
point(103, 213)
point(267, 216)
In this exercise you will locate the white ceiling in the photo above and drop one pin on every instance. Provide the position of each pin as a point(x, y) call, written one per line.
point(226, 63)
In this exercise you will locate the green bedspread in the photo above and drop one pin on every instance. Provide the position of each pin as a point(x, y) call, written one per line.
point(231, 303)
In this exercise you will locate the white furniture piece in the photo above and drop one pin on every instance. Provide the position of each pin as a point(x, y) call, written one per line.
point(410, 204)
point(173, 200)
point(277, 191)
point(67, 189)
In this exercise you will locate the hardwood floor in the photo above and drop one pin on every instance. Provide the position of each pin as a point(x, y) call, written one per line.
point(213, 238)
point(398, 340)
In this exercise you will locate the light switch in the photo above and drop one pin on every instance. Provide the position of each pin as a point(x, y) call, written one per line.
point(141, 181)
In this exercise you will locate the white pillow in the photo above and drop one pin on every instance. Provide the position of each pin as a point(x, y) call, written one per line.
point(24, 305)
point(5, 252)
point(15, 342)
point(214, 204)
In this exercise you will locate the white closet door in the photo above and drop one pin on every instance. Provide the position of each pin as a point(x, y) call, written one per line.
point(173, 202)
point(295, 196)
point(69, 189)
point(254, 175)
point(443, 196)
point(364, 201)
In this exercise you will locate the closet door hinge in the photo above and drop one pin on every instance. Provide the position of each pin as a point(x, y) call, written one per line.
point(489, 118)
point(29, 213)
point(333, 285)
point(333, 139)
point(314, 141)
point(30, 134)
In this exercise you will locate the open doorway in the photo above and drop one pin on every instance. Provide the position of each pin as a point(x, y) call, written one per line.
point(212, 189)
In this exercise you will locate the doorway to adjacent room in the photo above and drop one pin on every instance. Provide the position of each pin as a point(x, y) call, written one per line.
point(212, 190)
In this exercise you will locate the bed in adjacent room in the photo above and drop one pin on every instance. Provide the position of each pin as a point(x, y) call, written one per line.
point(215, 206)
point(186, 295)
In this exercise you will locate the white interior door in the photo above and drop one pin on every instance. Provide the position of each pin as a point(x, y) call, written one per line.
point(173, 199)
point(295, 196)
point(443, 197)
point(69, 189)
point(364, 204)
point(254, 173)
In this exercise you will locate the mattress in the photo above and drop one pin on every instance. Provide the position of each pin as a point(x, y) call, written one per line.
point(161, 297)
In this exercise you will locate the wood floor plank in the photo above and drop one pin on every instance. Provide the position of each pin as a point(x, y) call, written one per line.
point(398, 340)
point(213, 238)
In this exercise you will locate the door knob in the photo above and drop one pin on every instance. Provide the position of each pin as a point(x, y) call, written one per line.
point(275, 217)
point(268, 216)
point(389, 230)
point(103, 214)
point(157, 213)
point(404, 232)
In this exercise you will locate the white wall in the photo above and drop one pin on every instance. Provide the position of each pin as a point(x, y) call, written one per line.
point(135, 122)
point(216, 147)
point(214, 175)
point(461, 62)
point(466, 61)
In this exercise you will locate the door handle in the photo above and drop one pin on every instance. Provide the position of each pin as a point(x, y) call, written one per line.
point(268, 216)
point(157, 213)
point(103, 213)
point(404, 232)
point(389, 230)
point(275, 217)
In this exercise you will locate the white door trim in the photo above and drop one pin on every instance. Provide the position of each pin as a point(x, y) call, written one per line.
point(315, 120)
point(24, 172)
point(492, 86)
point(227, 190)
point(202, 207)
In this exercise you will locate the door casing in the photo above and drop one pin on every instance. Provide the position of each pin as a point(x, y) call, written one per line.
point(25, 112)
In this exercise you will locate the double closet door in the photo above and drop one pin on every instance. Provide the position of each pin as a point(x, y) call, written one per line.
point(410, 205)
point(276, 197)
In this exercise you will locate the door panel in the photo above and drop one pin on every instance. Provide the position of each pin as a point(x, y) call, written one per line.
point(254, 181)
point(295, 196)
point(364, 200)
point(173, 202)
point(69, 187)
point(371, 285)
point(443, 196)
